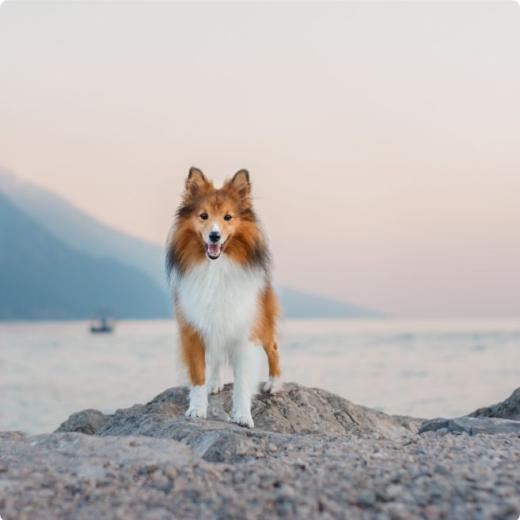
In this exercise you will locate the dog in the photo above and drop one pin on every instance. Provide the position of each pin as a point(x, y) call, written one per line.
point(225, 306)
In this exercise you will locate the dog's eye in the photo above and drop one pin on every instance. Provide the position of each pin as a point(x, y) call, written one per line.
point(204, 216)
point(227, 217)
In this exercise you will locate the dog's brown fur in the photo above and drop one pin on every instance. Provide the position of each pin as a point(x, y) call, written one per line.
point(245, 244)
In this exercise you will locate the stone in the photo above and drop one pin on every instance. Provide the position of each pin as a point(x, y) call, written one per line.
point(294, 410)
point(471, 425)
point(503, 417)
point(507, 409)
point(86, 421)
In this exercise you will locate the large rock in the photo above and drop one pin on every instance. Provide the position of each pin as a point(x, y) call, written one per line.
point(87, 421)
point(471, 425)
point(503, 417)
point(507, 409)
point(294, 410)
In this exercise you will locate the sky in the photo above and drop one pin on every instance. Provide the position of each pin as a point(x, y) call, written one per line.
point(382, 139)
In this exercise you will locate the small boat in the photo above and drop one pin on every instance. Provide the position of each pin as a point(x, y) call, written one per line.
point(102, 326)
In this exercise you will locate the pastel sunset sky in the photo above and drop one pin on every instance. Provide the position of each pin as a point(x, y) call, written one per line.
point(383, 139)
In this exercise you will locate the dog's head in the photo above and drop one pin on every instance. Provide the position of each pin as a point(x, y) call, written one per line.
point(213, 222)
point(217, 214)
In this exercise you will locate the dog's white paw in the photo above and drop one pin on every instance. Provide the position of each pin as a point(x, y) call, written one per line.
point(198, 402)
point(194, 411)
point(272, 386)
point(243, 419)
point(215, 387)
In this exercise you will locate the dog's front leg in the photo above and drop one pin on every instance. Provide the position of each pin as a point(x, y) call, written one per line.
point(215, 384)
point(198, 401)
point(243, 362)
point(194, 355)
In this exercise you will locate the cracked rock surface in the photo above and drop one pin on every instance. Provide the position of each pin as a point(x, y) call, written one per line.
point(312, 454)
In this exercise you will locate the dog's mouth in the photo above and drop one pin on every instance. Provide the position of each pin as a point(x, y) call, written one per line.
point(213, 250)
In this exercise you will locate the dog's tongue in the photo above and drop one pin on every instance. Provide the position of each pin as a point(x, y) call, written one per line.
point(214, 249)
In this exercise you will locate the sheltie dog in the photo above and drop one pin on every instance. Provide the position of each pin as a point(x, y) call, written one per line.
point(225, 306)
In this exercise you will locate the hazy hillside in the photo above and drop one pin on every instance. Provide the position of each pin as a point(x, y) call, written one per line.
point(86, 234)
point(43, 278)
point(81, 231)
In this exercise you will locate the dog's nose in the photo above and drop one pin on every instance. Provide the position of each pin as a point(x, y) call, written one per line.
point(214, 236)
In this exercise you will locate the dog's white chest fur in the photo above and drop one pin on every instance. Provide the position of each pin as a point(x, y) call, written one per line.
point(219, 298)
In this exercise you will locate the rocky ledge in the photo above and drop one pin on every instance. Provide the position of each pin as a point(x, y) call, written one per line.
point(312, 454)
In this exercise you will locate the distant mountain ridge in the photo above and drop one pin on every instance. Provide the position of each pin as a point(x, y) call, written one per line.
point(85, 234)
point(43, 278)
point(81, 231)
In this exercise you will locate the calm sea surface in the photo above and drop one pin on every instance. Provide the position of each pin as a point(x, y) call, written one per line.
point(424, 369)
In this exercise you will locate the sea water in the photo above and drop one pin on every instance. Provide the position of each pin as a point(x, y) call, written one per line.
point(424, 369)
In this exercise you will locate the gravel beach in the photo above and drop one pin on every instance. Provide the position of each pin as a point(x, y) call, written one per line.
point(312, 455)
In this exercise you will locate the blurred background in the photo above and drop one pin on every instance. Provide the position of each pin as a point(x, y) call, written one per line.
point(382, 141)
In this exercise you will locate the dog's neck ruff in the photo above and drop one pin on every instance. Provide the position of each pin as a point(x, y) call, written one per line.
point(219, 299)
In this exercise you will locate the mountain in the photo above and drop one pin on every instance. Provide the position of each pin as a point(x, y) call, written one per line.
point(95, 239)
point(81, 231)
point(41, 277)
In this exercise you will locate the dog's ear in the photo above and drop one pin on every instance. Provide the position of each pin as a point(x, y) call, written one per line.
point(240, 183)
point(196, 181)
